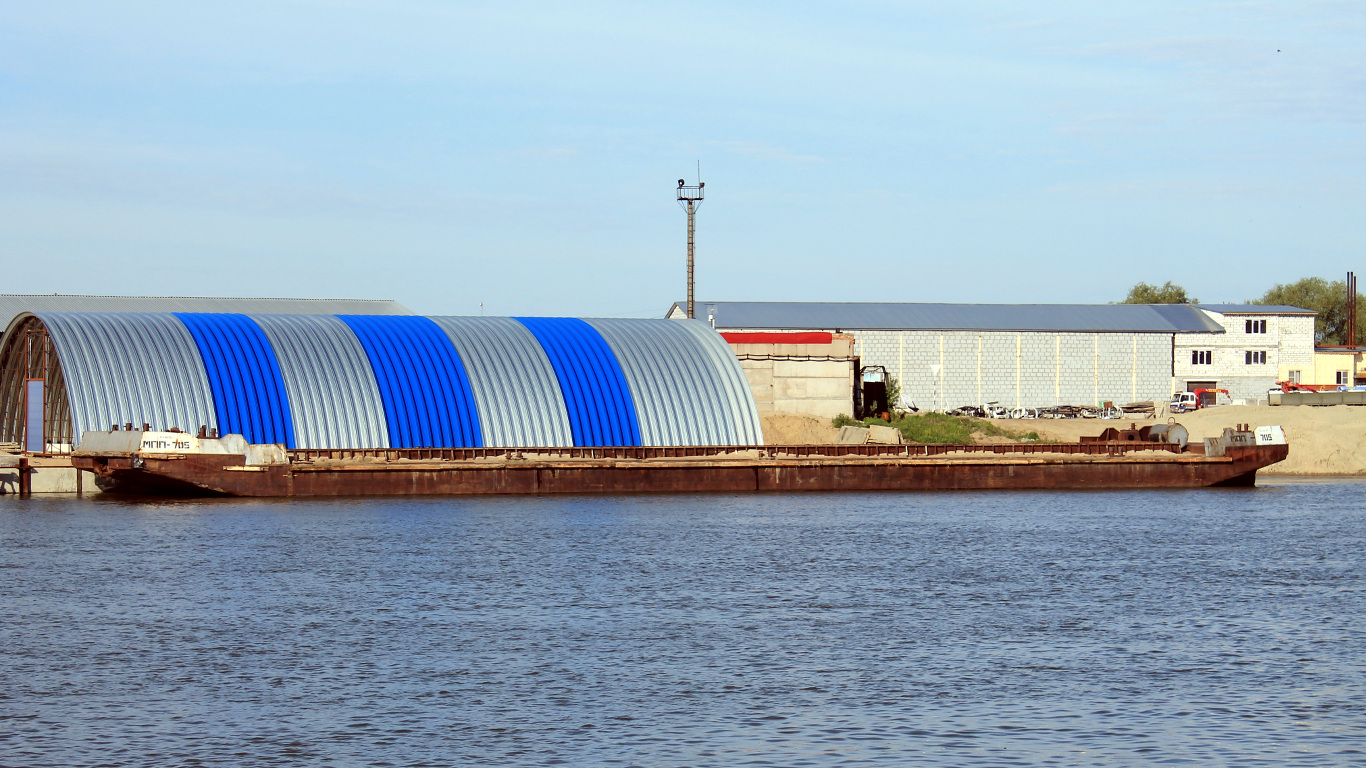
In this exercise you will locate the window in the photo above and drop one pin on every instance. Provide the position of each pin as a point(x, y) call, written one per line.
point(1202, 356)
point(1344, 377)
point(1254, 326)
point(1294, 377)
point(1255, 358)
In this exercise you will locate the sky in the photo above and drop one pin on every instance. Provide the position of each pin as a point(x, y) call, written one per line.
point(520, 158)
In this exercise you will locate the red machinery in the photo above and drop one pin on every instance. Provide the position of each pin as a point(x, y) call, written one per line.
point(1290, 386)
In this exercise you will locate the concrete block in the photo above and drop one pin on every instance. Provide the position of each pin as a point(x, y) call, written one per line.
point(54, 479)
point(825, 409)
point(881, 435)
point(817, 389)
point(852, 436)
point(813, 369)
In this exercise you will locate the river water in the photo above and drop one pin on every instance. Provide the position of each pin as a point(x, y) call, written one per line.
point(1218, 627)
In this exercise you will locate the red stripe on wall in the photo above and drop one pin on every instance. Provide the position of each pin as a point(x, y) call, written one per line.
point(812, 337)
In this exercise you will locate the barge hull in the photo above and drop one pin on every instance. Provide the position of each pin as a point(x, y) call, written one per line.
point(229, 475)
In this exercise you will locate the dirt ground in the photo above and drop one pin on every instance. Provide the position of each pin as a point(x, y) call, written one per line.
point(1323, 441)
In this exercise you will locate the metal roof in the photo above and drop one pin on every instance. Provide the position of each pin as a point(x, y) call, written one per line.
point(845, 316)
point(596, 393)
point(244, 374)
point(131, 368)
point(515, 387)
point(1256, 309)
point(332, 391)
point(13, 304)
point(368, 381)
point(426, 393)
point(686, 384)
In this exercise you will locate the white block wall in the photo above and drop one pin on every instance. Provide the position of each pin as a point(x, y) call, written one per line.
point(1022, 369)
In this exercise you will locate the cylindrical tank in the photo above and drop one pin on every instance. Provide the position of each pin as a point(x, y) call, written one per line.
point(1169, 433)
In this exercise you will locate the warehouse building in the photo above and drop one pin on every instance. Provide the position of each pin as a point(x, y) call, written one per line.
point(1030, 355)
point(371, 380)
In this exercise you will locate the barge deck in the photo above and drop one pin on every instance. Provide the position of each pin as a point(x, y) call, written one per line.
point(485, 471)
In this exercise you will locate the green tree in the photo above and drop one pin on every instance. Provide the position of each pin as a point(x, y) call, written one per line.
point(1329, 299)
point(1167, 293)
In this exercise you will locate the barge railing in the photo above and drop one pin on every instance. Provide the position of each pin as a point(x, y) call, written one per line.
point(1118, 448)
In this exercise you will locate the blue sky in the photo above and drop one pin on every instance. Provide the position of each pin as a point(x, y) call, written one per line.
point(524, 154)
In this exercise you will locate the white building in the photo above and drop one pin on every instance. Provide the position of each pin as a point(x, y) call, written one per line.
point(1255, 347)
point(1039, 355)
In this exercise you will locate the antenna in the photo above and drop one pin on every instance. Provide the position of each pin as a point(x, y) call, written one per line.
point(689, 198)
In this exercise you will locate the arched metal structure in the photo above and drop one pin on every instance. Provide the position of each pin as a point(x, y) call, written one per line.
point(595, 390)
point(518, 395)
point(248, 390)
point(684, 391)
point(357, 381)
point(331, 388)
point(126, 368)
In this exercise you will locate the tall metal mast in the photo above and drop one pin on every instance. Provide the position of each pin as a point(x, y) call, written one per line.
point(689, 198)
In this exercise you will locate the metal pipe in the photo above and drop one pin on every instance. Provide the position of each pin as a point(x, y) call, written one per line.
point(692, 209)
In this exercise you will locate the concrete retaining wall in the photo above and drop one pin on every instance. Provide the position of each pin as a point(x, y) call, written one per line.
point(812, 379)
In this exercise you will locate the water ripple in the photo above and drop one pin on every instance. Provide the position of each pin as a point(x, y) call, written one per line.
point(1217, 627)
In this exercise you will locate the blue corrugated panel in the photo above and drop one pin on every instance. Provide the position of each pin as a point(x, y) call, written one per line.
point(426, 394)
point(595, 391)
point(248, 390)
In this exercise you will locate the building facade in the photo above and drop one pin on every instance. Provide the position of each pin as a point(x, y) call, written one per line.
point(1032, 356)
point(1256, 347)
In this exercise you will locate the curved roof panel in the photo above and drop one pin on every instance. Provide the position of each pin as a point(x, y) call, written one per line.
point(136, 368)
point(596, 394)
point(422, 382)
point(515, 387)
point(248, 390)
point(687, 387)
point(332, 391)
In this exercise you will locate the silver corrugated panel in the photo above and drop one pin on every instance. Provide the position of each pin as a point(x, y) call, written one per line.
point(515, 389)
point(11, 305)
point(687, 386)
point(131, 368)
point(332, 392)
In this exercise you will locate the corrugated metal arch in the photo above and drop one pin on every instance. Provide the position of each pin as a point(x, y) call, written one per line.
point(248, 390)
point(422, 382)
point(137, 368)
point(687, 386)
point(596, 394)
point(515, 387)
point(333, 395)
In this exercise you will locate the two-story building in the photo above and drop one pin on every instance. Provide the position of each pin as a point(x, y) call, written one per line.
point(1258, 346)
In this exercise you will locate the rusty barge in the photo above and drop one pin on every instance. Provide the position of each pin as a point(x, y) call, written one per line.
point(173, 463)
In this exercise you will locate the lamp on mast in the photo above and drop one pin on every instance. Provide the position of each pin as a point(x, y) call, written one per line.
point(689, 198)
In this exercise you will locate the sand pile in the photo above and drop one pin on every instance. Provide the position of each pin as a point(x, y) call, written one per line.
point(797, 429)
